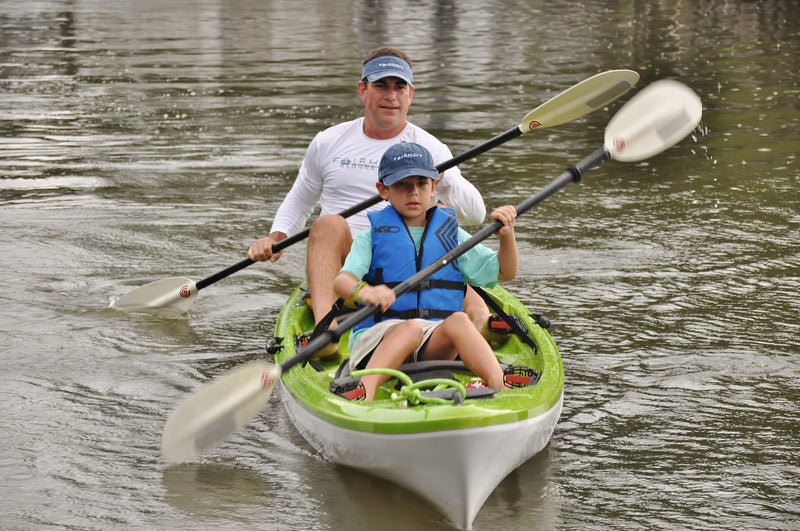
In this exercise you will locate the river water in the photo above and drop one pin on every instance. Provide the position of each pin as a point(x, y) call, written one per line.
point(141, 140)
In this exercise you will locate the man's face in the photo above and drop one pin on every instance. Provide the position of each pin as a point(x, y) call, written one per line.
point(386, 105)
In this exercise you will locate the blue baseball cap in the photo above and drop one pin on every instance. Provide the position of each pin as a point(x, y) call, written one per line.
point(406, 159)
point(387, 66)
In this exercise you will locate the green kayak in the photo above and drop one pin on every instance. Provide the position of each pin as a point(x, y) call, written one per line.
point(472, 438)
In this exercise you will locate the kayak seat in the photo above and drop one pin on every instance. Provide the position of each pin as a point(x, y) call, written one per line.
point(426, 375)
point(501, 324)
point(515, 376)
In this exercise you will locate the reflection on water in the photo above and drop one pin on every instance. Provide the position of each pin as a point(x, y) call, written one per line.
point(150, 140)
point(211, 490)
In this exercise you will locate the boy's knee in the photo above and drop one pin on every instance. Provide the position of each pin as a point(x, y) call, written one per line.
point(460, 319)
point(412, 330)
point(476, 308)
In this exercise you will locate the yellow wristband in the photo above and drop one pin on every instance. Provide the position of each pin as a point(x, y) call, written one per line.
point(354, 293)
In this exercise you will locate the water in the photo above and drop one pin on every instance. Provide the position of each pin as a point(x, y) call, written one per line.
point(144, 140)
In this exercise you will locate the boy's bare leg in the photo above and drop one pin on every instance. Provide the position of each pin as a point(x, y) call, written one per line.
point(457, 336)
point(476, 308)
point(397, 344)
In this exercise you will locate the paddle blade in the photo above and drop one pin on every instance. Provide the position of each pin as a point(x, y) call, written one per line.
point(176, 293)
point(217, 410)
point(578, 100)
point(656, 118)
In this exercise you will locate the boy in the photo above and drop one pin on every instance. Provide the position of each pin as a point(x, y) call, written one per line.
point(403, 238)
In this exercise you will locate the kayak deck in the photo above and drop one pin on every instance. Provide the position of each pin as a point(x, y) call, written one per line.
point(311, 387)
point(453, 455)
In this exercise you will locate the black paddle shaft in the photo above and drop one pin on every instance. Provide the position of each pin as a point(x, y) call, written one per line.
point(355, 209)
point(572, 174)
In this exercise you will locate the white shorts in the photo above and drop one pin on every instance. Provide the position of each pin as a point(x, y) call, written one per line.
point(370, 338)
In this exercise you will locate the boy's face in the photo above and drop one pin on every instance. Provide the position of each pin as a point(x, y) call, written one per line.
point(411, 197)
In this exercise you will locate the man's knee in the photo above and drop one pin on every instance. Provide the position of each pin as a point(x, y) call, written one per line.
point(329, 224)
point(331, 233)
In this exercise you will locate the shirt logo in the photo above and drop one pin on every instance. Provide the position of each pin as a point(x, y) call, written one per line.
point(387, 228)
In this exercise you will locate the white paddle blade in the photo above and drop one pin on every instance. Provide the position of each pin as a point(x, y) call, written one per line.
point(656, 118)
point(583, 98)
point(217, 411)
point(175, 293)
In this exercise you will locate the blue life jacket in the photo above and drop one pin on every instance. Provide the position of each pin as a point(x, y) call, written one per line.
point(395, 259)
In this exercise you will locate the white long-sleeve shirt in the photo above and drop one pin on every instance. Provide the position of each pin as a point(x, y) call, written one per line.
point(340, 169)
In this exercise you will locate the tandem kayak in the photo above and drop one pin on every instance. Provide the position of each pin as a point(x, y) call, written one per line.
point(472, 440)
point(448, 444)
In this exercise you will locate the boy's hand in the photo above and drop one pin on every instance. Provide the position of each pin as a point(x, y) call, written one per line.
point(381, 296)
point(506, 215)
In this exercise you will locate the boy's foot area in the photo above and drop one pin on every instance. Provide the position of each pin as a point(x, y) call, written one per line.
point(351, 391)
point(329, 352)
point(496, 329)
point(477, 383)
point(515, 377)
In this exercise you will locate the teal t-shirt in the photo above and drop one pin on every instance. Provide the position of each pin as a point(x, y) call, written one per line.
point(479, 265)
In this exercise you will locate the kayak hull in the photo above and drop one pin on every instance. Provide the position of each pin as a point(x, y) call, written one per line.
point(455, 470)
point(454, 456)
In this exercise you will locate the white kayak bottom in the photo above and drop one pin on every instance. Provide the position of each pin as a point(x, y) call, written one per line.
point(455, 470)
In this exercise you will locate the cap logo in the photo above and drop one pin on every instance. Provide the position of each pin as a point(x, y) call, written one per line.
point(385, 66)
point(408, 156)
point(406, 159)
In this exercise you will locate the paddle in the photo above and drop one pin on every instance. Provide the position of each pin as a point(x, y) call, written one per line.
point(179, 293)
point(655, 119)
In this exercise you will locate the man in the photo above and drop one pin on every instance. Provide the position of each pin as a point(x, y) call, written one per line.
point(340, 169)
